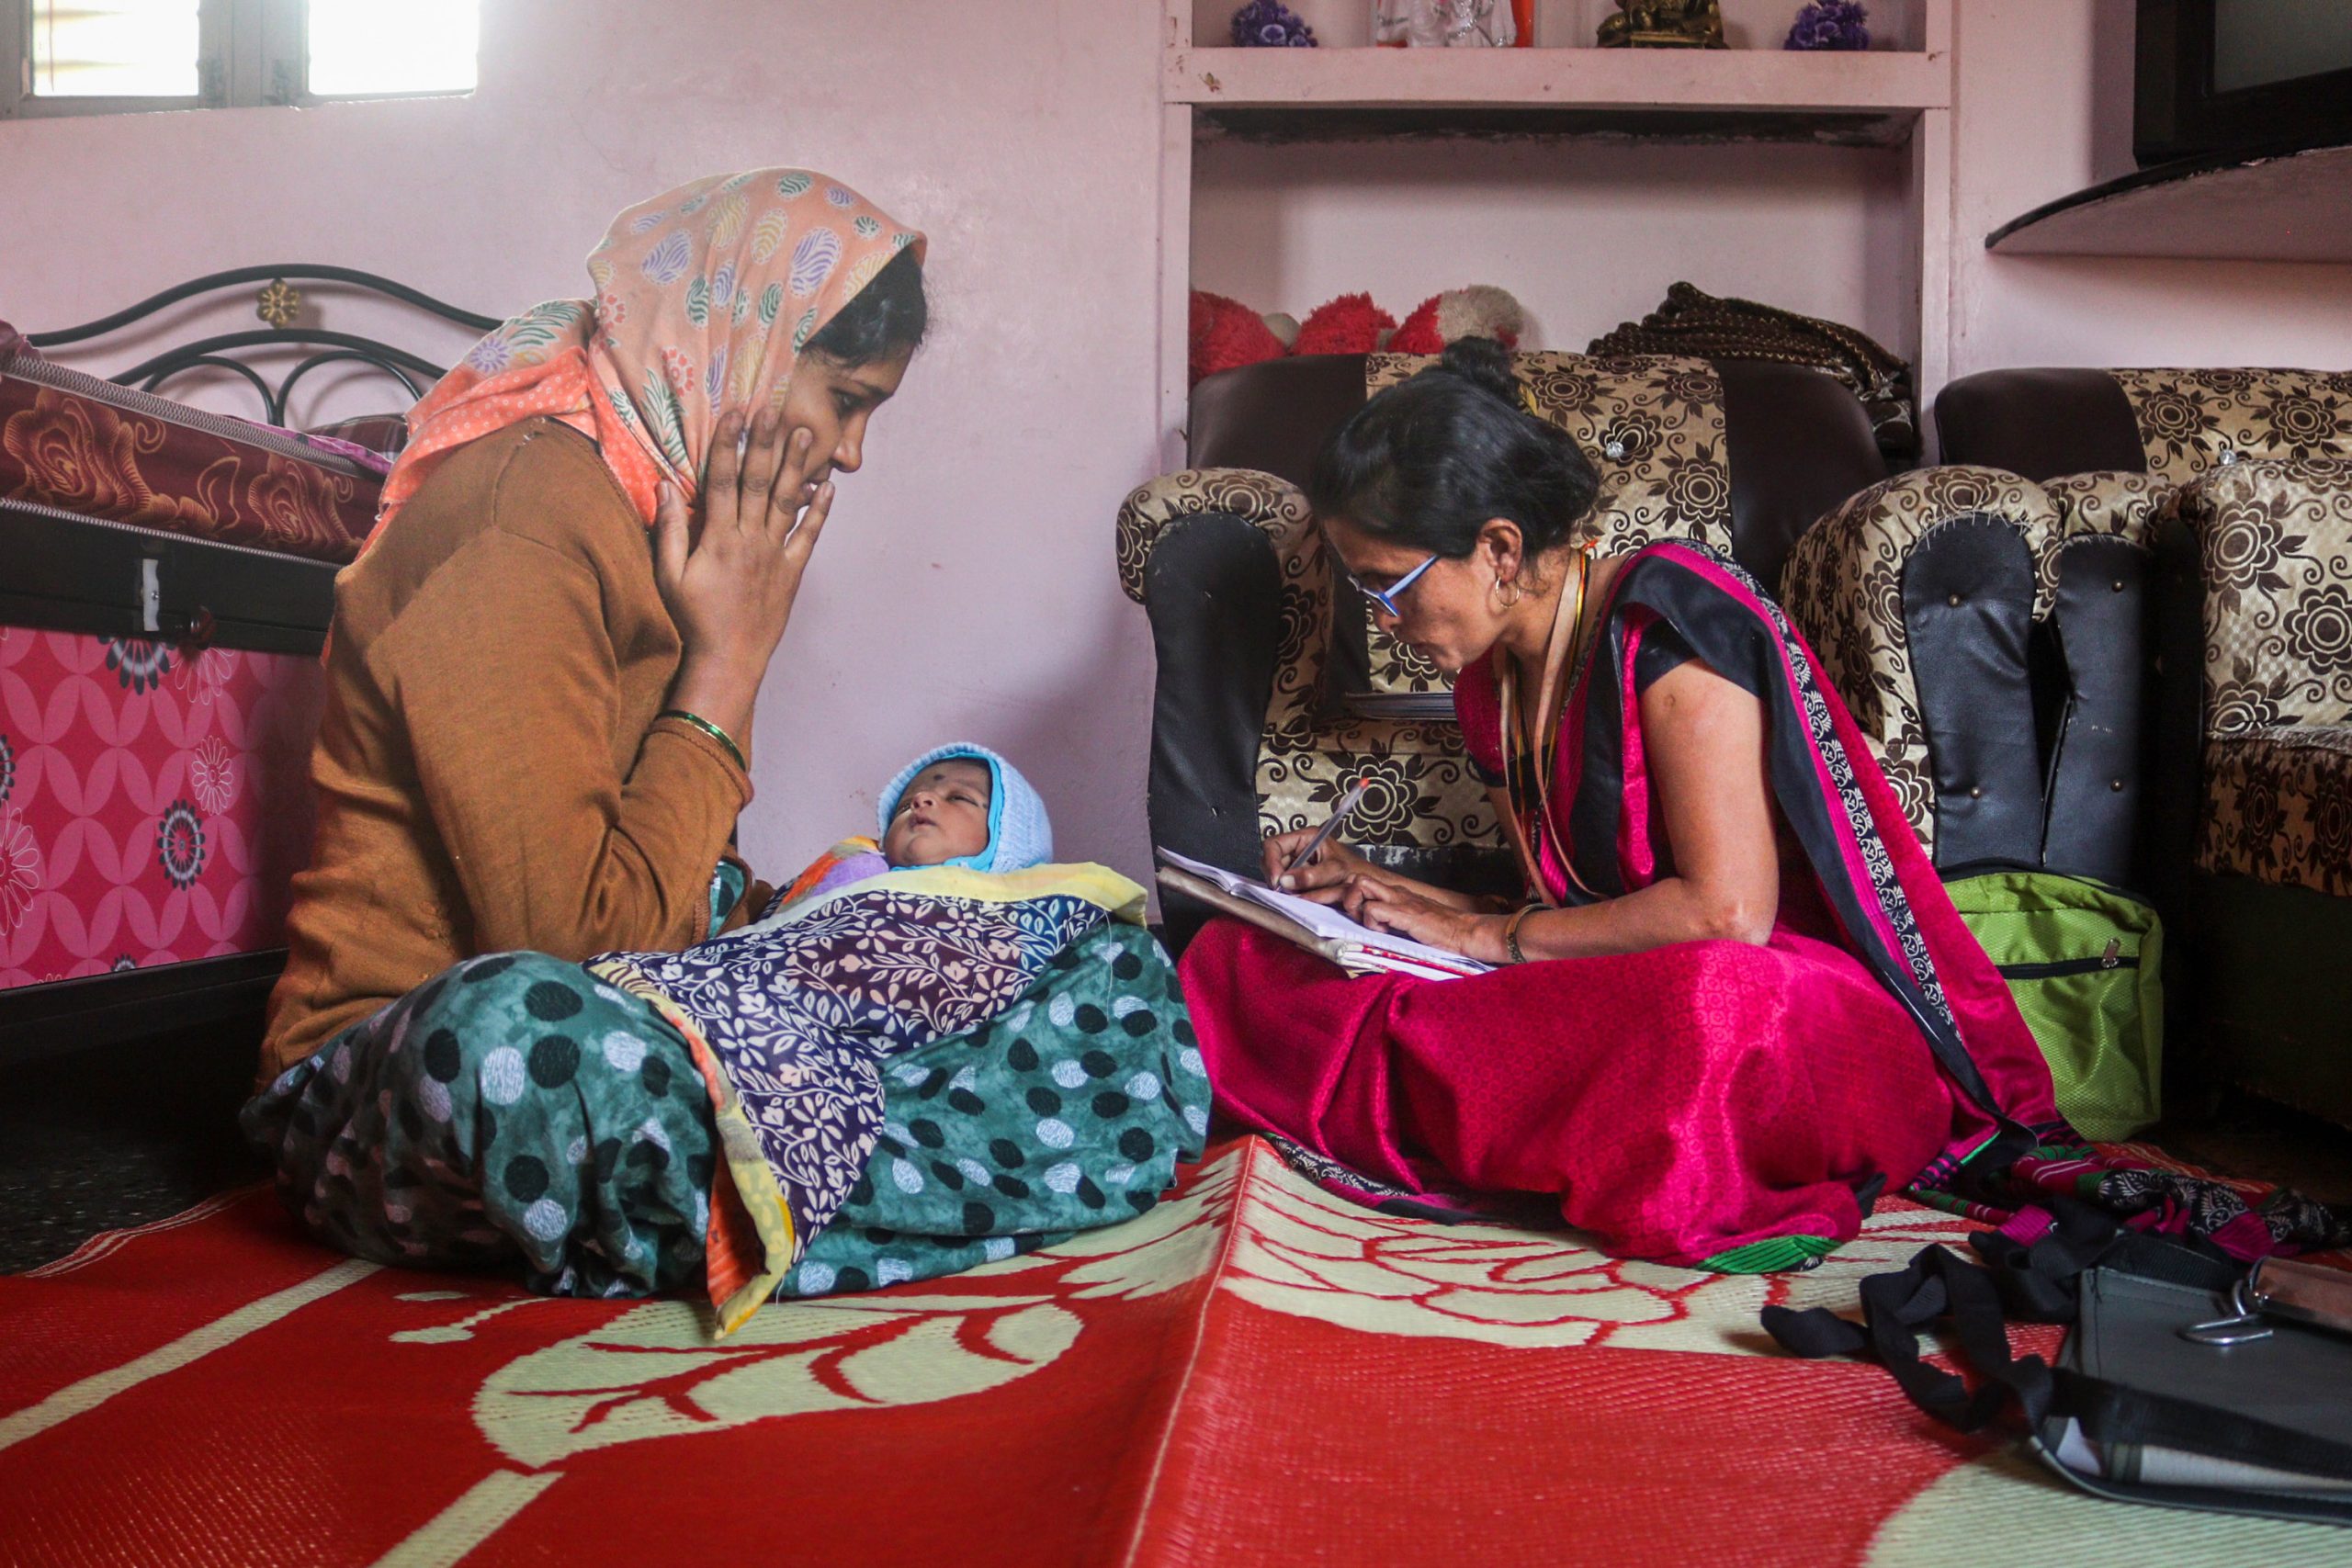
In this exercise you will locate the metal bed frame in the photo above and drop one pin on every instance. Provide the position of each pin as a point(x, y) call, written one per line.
point(276, 304)
point(70, 573)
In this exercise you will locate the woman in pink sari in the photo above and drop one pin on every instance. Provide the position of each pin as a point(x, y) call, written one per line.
point(1736, 1004)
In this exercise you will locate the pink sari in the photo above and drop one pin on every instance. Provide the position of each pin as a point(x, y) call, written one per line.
point(1714, 1104)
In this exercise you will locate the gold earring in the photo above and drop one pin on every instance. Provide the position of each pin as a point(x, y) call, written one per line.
point(1516, 592)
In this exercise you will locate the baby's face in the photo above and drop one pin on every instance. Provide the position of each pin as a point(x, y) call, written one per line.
point(943, 815)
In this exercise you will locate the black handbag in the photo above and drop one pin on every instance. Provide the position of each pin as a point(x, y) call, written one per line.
point(2187, 1380)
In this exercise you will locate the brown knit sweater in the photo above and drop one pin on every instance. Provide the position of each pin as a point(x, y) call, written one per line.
point(489, 772)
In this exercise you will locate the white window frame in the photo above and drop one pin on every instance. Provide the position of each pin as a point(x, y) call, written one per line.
point(249, 53)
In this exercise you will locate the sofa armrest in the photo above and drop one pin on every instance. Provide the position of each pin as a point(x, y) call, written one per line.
point(1212, 589)
point(2096, 584)
point(1274, 506)
point(1918, 596)
point(1209, 553)
point(1239, 592)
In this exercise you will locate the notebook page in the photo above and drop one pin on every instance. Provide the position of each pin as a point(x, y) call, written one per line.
point(1321, 918)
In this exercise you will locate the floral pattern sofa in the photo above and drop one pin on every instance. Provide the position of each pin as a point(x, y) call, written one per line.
point(2112, 637)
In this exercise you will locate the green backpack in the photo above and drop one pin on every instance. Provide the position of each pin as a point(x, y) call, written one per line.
point(2085, 962)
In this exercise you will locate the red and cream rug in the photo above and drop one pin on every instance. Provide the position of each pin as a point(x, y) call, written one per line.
point(1252, 1372)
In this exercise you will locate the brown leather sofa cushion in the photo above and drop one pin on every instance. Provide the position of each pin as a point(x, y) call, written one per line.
point(2039, 424)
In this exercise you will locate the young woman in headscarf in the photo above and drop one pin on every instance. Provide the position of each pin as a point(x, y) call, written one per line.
point(539, 723)
point(1734, 1003)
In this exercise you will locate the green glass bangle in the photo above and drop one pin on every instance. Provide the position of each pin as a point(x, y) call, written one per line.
point(710, 729)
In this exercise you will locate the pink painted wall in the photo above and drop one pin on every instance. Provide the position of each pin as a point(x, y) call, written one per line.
point(966, 588)
point(2045, 108)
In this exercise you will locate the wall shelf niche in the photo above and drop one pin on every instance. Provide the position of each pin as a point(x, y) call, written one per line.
point(1729, 85)
point(1877, 98)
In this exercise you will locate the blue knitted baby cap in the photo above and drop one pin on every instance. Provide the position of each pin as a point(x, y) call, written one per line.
point(1019, 834)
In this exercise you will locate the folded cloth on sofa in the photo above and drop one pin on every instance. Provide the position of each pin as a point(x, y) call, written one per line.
point(790, 1020)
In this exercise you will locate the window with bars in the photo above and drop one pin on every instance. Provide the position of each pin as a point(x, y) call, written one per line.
point(121, 56)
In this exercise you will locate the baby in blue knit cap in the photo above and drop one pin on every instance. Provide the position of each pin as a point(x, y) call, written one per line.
point(964, 806)
point(955, 806)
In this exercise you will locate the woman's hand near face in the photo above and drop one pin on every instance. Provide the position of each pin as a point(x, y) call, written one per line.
point(730, 589)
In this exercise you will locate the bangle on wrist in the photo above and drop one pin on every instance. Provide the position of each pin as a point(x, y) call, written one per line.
point(1510, 933)
point(683, 716)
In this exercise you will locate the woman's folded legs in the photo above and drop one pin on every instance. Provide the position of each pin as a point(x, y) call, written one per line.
point(1682, 1104)
point(514, 1110)
point(510, 1110)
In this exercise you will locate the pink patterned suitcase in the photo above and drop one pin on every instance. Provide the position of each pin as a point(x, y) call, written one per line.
point(154, 801)
point(166, 577)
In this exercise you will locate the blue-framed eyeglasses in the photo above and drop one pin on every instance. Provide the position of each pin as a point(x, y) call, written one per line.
point(1386, 597)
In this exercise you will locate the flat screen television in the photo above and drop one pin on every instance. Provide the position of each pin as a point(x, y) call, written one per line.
point(2217, 77)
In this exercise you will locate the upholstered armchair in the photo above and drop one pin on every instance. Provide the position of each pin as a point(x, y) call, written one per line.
point(2215, 508)
point(2274, 555)
point(1273, 688)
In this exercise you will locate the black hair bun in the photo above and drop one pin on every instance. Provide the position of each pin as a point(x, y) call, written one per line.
point(1485, 364)
point(1431, 461)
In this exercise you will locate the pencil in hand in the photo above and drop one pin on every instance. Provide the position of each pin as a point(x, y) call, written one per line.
point(1348, 803)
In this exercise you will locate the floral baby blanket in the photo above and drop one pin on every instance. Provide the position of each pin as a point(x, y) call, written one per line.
point(793, 1017)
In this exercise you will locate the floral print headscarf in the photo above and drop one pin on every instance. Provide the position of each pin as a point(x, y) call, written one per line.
point(705, 298)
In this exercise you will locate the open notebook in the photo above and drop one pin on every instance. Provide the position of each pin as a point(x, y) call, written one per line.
point(1317, 927)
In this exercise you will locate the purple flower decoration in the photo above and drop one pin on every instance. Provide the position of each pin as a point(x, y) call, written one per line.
point(1830, 23)
point(1267, 23)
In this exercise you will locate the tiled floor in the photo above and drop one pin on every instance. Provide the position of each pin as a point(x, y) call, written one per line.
point(103, 1139)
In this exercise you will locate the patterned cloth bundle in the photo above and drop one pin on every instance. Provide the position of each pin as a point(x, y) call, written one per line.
point(1044, 1076)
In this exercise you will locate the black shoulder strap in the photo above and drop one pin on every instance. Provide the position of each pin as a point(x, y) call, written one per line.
point(2038, 1283)
point(1937, 1283)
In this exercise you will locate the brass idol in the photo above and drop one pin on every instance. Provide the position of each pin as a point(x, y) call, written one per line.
point(1665, 24)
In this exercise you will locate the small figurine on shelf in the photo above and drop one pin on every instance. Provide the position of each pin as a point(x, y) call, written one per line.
point(1453, 24)
point(1830, 23)
point(1663, 24)
point(1269, 24)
